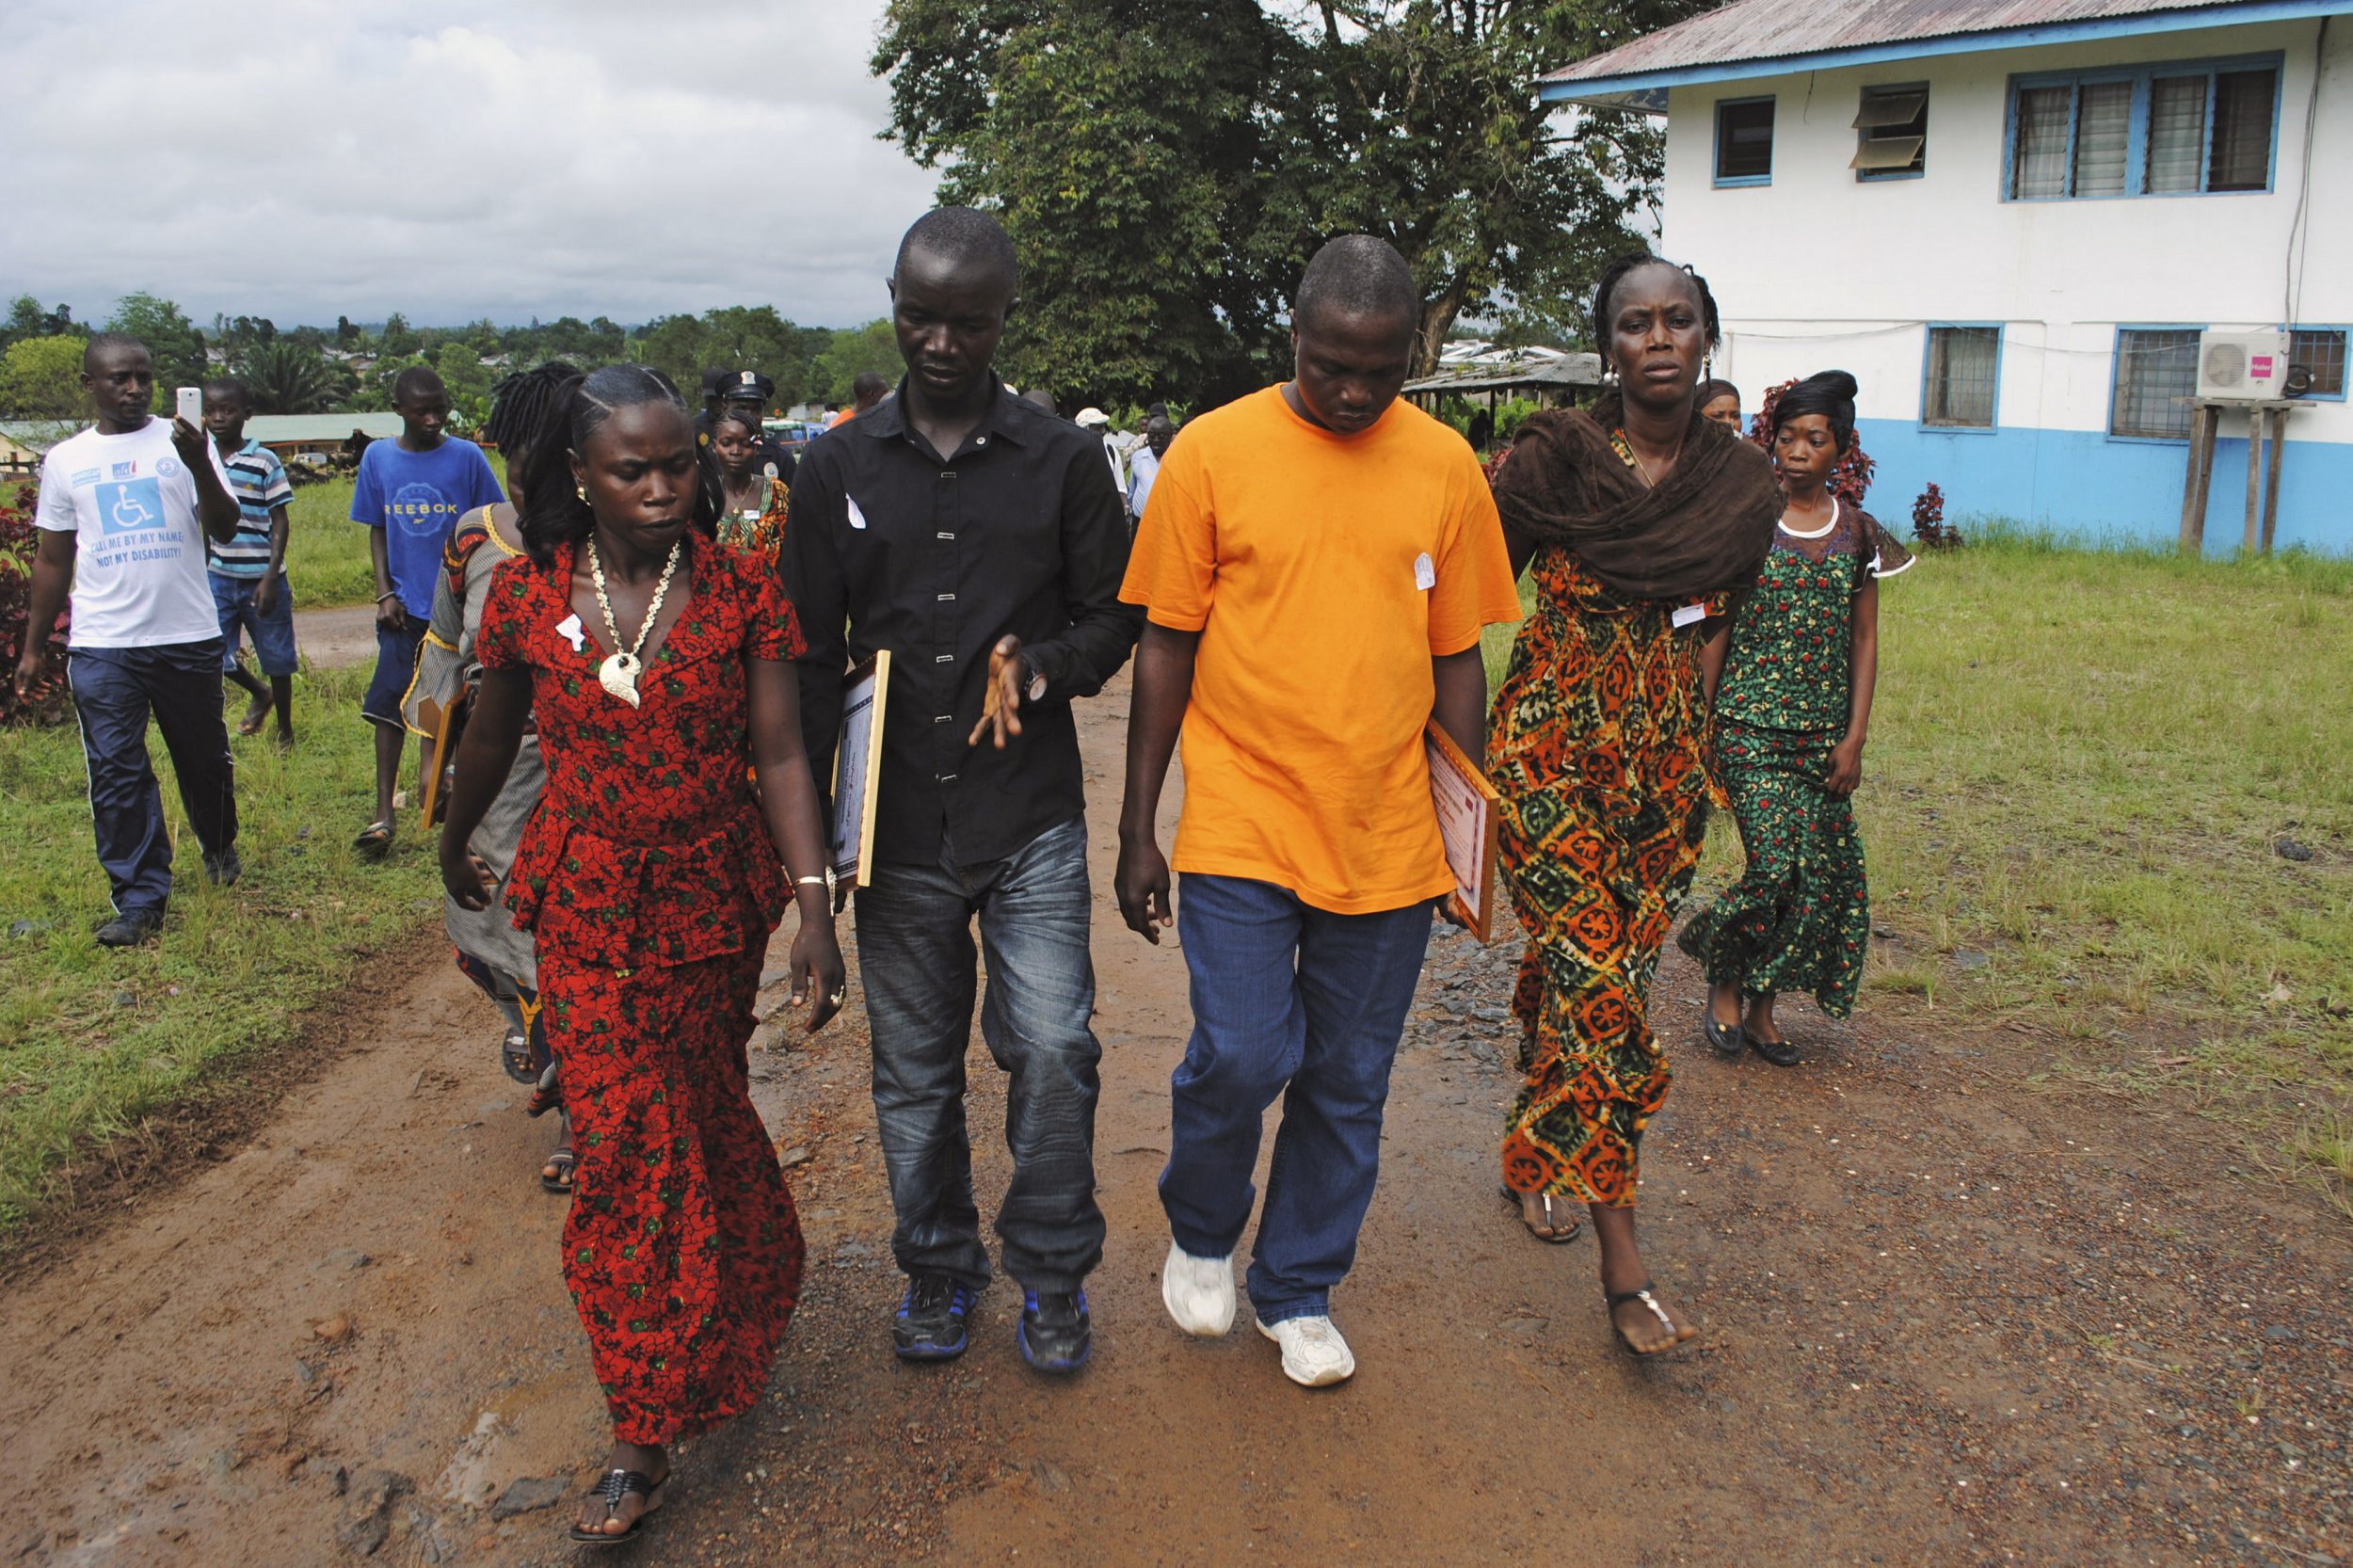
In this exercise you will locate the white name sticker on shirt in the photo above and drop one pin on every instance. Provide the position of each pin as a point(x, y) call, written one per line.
point(1690, 612)
point(858, 519)
point(1425, 572)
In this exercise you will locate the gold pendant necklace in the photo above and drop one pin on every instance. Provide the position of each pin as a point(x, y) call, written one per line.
point(618, 673)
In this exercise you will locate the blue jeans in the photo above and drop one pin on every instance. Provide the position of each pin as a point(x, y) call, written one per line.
point(114, 689)
point(273, 634)
point(1293, 1000)
point(915, 959)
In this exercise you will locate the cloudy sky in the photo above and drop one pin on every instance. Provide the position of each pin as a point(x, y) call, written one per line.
point(507, 158)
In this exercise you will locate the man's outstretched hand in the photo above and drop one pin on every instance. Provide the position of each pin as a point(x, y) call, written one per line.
point(1000, 707)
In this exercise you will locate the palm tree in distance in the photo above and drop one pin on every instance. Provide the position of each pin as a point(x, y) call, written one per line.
point(287, 377)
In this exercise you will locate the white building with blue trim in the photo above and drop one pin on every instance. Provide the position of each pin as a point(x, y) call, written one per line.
point(2012, 219)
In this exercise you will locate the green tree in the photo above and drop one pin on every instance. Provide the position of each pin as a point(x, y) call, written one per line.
point(286, 376)
point(1124, 146)
point(872, 346)
point(1166, 170)
point(28, 319)
point(398, 340)
point(736, 337)
point(173, 340)
point(41, 378)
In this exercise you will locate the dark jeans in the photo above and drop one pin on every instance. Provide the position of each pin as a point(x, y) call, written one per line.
point(114, 689)
point(915, 959)
point(1293, 1000)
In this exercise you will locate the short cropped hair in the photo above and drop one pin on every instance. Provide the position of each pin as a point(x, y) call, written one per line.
point(101, 343)
point(418, 381)
point(963, 235)
point(1359, 275)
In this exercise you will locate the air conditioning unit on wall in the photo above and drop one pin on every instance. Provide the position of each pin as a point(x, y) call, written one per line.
point(2243, 367)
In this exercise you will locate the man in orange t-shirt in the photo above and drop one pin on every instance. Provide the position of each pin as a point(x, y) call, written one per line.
point(868, 386)
point(1317, 562)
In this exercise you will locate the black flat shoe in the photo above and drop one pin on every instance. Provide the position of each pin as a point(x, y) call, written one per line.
point(1722, 1041)
point(1781, 1053)
point(929, 1324)
point(1054, 1335)
point(130, 928)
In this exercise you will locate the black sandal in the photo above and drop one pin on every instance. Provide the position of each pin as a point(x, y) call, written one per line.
point(375, 841)
point(515, 1056)
point(616, 1486)
point(1616, 1299)
point(1519, 1201)
point(565, 1160)
point(1781, 1053)
point(1722, 1041)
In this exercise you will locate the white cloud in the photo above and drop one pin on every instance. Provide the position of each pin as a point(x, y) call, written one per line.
point(533, 157)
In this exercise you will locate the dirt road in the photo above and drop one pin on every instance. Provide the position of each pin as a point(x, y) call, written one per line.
point(1951, 1317)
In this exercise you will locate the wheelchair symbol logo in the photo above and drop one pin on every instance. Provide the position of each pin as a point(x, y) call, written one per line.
point(127, 509)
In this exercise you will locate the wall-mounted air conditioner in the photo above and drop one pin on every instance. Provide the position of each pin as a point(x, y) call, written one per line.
point(2243, 367)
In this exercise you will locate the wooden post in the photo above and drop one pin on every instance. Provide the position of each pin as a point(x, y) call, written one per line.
point(2198, 477)
point(2278, 418)
point(2253, 536)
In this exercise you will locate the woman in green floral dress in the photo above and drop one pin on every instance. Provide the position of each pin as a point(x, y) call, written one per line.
point(1791, 714)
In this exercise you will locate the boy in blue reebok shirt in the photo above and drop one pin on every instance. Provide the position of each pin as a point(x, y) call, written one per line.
point(411, 492)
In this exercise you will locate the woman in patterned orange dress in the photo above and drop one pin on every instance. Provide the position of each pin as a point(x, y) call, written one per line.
point(1642, 517)
point(653, 660)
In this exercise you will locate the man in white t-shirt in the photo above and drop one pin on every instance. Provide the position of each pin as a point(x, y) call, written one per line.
point(124, 509)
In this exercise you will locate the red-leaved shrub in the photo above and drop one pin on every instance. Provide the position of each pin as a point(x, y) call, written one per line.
point(19, 539)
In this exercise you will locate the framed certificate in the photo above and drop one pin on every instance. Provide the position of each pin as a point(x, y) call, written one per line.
point(1466, 820)
point(857, 768)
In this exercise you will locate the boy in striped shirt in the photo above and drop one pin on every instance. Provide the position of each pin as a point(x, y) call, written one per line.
point(249, 573)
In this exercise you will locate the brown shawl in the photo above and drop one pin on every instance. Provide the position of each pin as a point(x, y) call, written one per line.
point(1705, 527)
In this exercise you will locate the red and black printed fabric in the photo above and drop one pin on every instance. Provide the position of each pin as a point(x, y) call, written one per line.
point(653, 885)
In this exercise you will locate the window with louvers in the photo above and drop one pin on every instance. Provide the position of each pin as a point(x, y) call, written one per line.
point(2166, 129)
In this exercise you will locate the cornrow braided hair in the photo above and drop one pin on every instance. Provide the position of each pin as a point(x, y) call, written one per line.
point(1632, 262)
point(520, 404)
point(555, 512)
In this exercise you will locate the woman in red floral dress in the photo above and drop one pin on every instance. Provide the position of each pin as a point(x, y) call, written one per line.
point(654, 661)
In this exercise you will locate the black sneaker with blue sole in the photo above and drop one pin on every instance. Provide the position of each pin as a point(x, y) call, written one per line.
point(1054, 1333)
point(930, 1321)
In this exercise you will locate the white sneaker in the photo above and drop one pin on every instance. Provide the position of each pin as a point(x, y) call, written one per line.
point(1198, 1291)
point(1314, 1355)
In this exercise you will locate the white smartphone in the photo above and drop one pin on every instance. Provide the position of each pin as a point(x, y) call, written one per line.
point(192, 405)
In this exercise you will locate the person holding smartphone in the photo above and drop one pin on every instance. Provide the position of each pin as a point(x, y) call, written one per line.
point(126, 508)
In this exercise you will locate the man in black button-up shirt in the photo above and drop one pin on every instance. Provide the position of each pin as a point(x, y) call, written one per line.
point(981, 542)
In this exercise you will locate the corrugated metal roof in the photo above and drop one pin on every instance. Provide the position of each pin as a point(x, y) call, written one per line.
point(1564, 370)
point(269, 429)
point(1774, 29)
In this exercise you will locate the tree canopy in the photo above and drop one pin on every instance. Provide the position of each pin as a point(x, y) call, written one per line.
point(1167, 170)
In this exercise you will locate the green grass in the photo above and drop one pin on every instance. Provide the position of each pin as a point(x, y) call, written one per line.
point(234, 970)
point(326, 553)
point(2080, 763)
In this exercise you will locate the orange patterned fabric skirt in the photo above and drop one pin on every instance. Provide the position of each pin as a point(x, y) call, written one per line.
point(1600, 751)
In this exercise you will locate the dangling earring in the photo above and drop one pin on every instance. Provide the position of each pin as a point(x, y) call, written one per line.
point(581, 491)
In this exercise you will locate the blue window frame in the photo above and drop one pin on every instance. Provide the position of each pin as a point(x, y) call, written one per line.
point(2184, 128)
point(1891, 133)
point(1744, 141)
point(1960, 376)
point(2154, 382)
point(2322, 351)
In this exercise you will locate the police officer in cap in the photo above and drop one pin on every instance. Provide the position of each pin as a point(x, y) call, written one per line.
point(715, 382)
point(746, 396)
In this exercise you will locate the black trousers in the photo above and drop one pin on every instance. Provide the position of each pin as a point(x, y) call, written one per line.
point(114, 689)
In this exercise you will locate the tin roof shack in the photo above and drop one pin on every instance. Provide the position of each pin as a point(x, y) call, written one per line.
point(2013, 221)
point(319, 439)
point(1552, 378)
